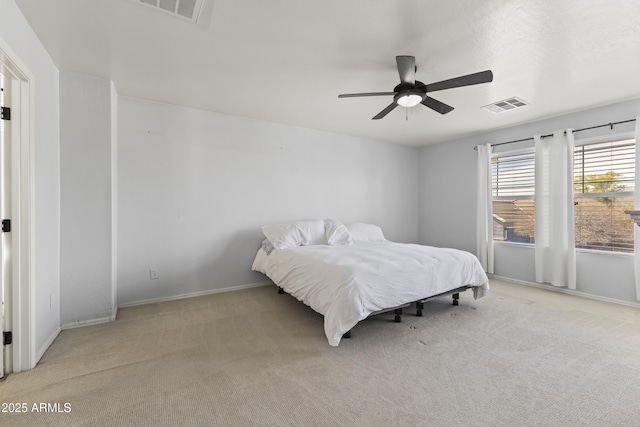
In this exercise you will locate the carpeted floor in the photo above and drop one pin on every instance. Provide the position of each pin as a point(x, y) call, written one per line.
point(519, 357)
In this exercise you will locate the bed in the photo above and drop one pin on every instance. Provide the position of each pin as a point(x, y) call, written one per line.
point(359, 273)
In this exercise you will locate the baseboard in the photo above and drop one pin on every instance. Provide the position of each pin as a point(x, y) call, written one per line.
point(45, 347)
point(91, 322)
point(112, 317)
point(566, 291)
point(83, 323)
point(194, 294)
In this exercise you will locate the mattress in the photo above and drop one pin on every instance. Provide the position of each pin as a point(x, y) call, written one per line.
point(347, 283)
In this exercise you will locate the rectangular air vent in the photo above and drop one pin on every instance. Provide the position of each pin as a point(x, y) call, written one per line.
point(187, 9)
point(505, 105)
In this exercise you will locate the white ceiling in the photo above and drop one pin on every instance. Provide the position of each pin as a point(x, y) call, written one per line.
point(287, 60)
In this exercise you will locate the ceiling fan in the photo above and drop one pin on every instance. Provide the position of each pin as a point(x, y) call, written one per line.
point(410, 92)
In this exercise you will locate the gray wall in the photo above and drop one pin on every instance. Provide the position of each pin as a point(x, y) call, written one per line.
point(448, 201)
point(85, 199)
point(194, 188)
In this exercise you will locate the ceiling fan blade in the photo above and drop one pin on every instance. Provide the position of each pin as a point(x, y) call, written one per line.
point(407, 68)
point(354, 95)
point(386, 111)
point(468, 80)
point(436, 105)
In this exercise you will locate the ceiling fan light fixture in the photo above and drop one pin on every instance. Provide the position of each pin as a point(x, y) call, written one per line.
point(409, 98)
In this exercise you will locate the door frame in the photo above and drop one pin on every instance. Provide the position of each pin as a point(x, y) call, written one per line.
point(5, 174)
point(21, 317)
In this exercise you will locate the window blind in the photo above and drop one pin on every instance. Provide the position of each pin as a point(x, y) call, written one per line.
point(513, 175)
point(513, 187)
point(604, 187)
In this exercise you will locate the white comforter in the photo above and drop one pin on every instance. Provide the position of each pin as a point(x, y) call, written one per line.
point(348, 283)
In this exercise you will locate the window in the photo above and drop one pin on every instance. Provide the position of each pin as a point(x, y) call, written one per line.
point(604, 187)
point(513, 190)
point(604, 184)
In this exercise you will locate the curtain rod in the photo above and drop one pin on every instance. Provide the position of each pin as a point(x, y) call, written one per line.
point(574, 131)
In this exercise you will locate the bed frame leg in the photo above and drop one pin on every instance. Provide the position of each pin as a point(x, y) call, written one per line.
point(347, 334)
point(419, 307)
point(398, 312)
point(456, 297)
point(280, 290)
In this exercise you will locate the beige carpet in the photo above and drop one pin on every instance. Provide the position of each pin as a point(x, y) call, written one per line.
point(519, 357)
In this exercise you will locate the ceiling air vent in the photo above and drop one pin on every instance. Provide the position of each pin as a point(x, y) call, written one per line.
point(505, 105)
point(186, 9)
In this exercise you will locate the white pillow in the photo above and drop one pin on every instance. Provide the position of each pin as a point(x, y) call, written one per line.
point(362, 232)
point(312, 232)
point(301, 233)
point(283, 236)
point(337, 233)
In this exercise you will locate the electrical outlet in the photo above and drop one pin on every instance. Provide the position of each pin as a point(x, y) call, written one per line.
point(50, 300)
point(154, 274)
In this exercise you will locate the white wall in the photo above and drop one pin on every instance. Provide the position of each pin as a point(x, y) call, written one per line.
point(447, 210)
point(16, 33)
point(194, 188)
point(86, 212)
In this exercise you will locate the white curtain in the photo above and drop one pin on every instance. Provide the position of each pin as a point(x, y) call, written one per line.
point(637, 207)
point(484, 216)
point(555, 254)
